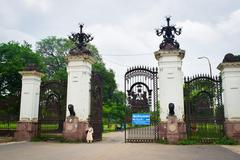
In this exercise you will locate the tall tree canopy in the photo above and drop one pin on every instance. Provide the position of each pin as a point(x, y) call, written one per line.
point(55, 49)
point(13, 58)
point(50, 58)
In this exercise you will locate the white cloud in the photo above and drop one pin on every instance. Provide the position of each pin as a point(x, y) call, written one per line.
point(199, 32)
point(127, 27)
point(231, 25)
point(42, 5)
point(7, 35)
point(116, 39)
point(8, 15)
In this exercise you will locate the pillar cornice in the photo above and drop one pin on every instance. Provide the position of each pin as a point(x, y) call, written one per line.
point(224, 65)
point(167, 53)
point(84, 57)
point(31, 73)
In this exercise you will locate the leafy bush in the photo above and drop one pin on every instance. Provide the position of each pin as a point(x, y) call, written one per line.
point(162, 141)
point(187, 142)
point(52, 138)
point(57, 138)
point(226, 141)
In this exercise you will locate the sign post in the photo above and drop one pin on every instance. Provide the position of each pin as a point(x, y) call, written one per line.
point(141, 119)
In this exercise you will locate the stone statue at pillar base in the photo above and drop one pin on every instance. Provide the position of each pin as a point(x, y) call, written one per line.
point(173, 130)
point(73, 129)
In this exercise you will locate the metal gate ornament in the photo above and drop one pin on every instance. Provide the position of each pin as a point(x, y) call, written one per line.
point(168, 32)
point(80, 40)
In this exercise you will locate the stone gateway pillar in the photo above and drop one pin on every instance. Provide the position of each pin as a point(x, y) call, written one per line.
point(79, 69)
point(230, 73)
point(170, 81)
point(27, 126)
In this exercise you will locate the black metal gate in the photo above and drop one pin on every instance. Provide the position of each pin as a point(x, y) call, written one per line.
point(204, 111)
point(142, 92)
point(52, 106)
point(95, 118)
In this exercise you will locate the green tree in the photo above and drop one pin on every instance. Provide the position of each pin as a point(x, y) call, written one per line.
point(14, 57)
point(114, 109)
point(55, 49)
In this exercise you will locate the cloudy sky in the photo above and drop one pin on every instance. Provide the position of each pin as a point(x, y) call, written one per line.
point(124, 29)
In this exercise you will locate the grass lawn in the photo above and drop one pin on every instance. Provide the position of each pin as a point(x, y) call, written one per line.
point(6, 125)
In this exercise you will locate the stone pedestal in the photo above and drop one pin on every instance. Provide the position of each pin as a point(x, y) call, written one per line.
point(230, 73)
point(28, 121)
point(75, 130)
point(172, 130)
point(170, 81)
point(79, 70)
point(26, 130)
point(232, 129)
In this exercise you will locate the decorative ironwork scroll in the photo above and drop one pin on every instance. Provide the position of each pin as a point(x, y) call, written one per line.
point(52, 108)
point(95, 118)
point(80, 40)
point(141, 91)
point(168, 33)
point(204, 111)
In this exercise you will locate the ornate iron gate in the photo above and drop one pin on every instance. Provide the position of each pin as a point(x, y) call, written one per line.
point(95, 118)
point(204, 112)
point(52, 106)
point(142, 92)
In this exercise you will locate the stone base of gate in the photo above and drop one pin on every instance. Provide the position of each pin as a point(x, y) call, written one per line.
point(172, 130)
point(232, 129)
point(75, 130)
point(26, 130)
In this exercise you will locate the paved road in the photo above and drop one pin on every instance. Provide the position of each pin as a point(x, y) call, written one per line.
point(111, 148)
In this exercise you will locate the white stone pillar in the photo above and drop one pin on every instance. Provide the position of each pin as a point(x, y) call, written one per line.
point(230, 73)
point(79, 70)
point(27, 126)
point(170, 82)
point(30, 93)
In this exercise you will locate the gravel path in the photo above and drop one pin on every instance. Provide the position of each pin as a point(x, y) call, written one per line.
point(113, 147)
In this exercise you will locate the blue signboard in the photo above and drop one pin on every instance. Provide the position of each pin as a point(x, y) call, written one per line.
point(141, 119)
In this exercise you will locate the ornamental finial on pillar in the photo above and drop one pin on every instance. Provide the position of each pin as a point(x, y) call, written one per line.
point(80, 40)
point(231, 58)
point(31, 67)
point(168, 43)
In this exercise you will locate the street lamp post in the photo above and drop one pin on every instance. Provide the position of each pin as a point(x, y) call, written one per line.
point(210, 67)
